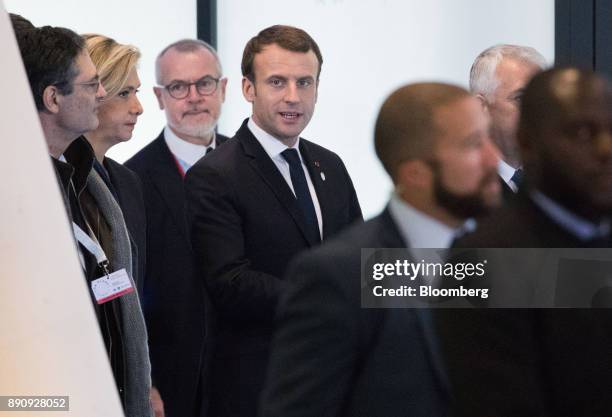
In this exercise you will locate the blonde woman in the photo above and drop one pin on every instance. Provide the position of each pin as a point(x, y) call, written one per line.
point(116, 64)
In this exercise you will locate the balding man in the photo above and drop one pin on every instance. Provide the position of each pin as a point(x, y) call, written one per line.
point(330, 357)
point(191, 90)
point(544, 362)
point(498, 77)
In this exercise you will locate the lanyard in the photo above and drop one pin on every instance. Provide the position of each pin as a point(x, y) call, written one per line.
point(92, 246)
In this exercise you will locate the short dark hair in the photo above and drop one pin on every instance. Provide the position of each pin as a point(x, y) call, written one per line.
point(20, 24)
point(406, 128)
point(287, 37)
point(49, 55)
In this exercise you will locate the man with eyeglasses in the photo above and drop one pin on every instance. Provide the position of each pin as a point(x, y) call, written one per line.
point(67, 93)
point(258, 201)
point(191, 90)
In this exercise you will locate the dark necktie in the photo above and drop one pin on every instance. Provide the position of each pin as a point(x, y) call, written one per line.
point(302, 193)
point(209, 150)
point(517, 178)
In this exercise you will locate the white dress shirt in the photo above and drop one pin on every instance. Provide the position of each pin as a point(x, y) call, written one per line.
point(186, 153)
point(273, 148)
point(506, 172)
point(420, 230)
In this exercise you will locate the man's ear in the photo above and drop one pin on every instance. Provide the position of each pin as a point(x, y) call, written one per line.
point(158, 93)
point(414, 173)
point(483, 102)
point(248, 90)
point(51, 99)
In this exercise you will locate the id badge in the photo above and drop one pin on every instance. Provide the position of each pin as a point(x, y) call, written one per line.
point(112, 286)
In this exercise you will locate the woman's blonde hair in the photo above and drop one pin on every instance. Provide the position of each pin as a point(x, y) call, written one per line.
point(113, 61)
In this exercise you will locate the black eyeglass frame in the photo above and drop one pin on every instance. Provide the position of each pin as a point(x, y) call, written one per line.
point(188, 87)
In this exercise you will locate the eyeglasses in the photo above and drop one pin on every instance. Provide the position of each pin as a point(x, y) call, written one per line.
point(90, 85)
point(204, 86)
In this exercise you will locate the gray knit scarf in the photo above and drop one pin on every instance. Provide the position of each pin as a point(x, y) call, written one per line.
point(137, 366)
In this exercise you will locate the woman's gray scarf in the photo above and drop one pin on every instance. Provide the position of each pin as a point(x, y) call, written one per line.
point(137, 366)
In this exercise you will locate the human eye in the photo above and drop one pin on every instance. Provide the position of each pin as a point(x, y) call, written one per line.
point(276, 82)
point(205, 82)
point(177, 87)
point(304, 83)
point(124, 93)
point(92, 86)
point(517, 97)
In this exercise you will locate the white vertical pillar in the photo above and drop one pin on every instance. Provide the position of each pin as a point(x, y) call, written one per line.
point(50, 343)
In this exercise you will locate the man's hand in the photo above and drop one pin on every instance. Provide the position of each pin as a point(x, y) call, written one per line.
point(156, 402)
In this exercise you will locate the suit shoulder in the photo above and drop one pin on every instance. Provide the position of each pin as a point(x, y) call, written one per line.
point(320, 150)
point(122, 170)
point(348, 243)
point(221, 159)
point(146, 156)
point(221, 139)
point(508, 226)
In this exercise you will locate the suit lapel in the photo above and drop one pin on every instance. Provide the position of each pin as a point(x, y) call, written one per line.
point(390, 237)
point(169, 183)
point(265, 168)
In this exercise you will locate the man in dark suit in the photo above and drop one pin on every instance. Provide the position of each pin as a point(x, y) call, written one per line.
point(544, 362)
point(191, 90)
point(263, 197)
point(331, 356)
point(498, 77)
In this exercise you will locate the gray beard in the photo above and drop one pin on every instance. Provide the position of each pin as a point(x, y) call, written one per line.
point(202, 131)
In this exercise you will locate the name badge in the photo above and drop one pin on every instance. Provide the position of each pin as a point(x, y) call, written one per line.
point(112, 286)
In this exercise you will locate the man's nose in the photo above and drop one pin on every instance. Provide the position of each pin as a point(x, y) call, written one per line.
point(291, 93)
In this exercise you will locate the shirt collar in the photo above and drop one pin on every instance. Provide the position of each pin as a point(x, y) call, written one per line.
point(578, 226)
point(420, 230)
point(186, 151)
point(271, 145)
point(506, 172)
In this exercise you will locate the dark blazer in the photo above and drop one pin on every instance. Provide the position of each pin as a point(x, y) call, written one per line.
point(128, 189)
point(330, 357)
point(246, 227)
point(507, 192)
point(528, 362)
point(175, 301)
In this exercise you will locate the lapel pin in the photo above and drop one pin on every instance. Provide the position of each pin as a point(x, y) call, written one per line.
point(323, 176)
point(316, 163)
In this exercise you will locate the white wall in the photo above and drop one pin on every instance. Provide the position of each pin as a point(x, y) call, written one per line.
point(148, 24)
point(369, 49)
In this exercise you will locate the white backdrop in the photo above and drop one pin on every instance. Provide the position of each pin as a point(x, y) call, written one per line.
point(369, 48)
